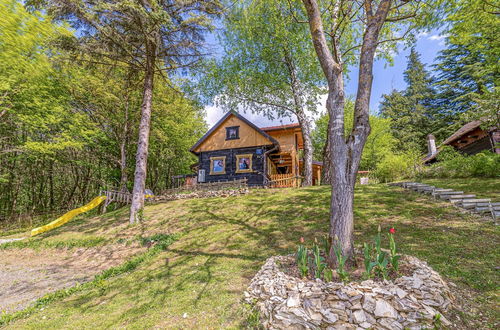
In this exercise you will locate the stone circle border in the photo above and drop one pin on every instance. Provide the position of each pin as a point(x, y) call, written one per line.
point(408, 302)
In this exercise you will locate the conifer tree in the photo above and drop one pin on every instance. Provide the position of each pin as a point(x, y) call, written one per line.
point(463, 79)
point(412, 111)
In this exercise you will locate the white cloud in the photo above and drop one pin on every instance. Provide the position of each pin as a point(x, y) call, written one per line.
point(439, 37)
point(436, 37)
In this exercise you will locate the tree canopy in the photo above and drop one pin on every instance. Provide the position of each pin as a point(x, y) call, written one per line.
point(65, 122)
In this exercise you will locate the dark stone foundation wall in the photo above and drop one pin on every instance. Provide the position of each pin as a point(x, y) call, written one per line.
point(255, 178)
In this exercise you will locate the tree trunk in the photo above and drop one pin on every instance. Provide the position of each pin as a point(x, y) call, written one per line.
point(123, 151)
point(345, 153)
point(297, 92)
point(143, 144)
point(327, 159)
point(341, 202)
point(308, 148)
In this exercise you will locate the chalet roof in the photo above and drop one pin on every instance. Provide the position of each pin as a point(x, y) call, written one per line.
point(455, 136)
point(280, 127)
point(240, 117)
point(463, 130)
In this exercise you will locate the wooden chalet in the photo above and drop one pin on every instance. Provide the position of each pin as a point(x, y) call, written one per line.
point(469, 139)
point(234, 148)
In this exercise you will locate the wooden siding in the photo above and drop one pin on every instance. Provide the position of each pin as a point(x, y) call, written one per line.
point(288, 139)
point(478, 146)
point(254, 178)
point(470, 138)
point(249, 137)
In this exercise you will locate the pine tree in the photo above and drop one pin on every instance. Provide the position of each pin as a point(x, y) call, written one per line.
point(462, 76)
point(412, 111)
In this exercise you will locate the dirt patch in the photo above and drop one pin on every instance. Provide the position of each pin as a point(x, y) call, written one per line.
point(26, 274)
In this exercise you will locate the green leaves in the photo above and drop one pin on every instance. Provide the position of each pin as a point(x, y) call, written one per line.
point(341, 260)
point(378, 261)
point(302, 259)
point(269, 65)
point(319, 262)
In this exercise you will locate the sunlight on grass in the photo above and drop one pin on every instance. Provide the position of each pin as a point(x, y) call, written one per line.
point(198, 281)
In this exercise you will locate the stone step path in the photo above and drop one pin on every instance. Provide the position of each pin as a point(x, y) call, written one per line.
point(458, 198)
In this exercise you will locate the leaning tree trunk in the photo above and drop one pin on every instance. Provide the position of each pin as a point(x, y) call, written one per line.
point(143, 144)
point(308, 148)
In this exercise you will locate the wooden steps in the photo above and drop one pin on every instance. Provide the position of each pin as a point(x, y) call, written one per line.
point(457, 198)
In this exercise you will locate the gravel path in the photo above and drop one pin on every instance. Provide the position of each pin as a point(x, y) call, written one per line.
point(26, 274)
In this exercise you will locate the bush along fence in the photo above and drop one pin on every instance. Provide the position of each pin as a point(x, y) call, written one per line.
point(469, 202)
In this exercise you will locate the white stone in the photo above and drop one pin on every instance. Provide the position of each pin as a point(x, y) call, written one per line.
point(369, 303)
point(329, 316)
point(384, 309)
point(365, 325)
point(401, 293)
point(359, 316)
point(293, 300)
point(356, 306)
point(417, 282)
point(370, 318)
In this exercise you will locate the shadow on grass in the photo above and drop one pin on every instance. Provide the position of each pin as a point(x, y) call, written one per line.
point(226, 240)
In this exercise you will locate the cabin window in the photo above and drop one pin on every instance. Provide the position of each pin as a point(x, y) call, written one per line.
point(232, 133)
point(217, 165)
point(244, 163)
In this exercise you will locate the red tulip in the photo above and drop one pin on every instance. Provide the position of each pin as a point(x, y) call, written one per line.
point(392, 231)
point(302, 240)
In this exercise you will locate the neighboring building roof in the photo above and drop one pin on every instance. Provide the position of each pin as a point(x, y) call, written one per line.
point(463, 130)
point(240, 117)
point(428, 158)
point(469, 127)
point(280, 127)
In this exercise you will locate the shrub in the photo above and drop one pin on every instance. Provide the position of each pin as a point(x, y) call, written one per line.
point(395, 166)
point(453, 164)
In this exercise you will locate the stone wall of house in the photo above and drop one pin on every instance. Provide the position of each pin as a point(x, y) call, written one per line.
point(409, 302)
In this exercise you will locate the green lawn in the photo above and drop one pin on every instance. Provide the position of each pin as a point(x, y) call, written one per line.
point(199, 280)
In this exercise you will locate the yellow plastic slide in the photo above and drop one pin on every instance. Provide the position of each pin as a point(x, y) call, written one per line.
point(68, 216)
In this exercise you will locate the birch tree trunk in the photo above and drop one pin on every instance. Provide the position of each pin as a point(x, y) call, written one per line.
point(305, 126)
point(304, 123)
point(327, 159)
point(143, 144)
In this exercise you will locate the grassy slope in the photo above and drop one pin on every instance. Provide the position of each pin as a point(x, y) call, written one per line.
point(225, 241)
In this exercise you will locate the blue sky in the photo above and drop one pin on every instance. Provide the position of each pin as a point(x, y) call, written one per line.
point(386, 78)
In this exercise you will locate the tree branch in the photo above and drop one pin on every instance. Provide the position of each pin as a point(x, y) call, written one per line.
point(328, 63)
